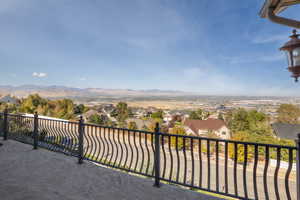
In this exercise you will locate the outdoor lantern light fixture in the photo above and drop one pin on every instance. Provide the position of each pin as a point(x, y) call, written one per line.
point(292, 49)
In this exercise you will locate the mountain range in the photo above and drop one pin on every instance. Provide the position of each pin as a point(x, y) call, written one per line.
point(63, 91)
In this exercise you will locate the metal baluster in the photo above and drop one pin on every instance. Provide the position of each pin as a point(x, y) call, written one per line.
point(278, 150)
point(80, 139)
point(217, 166)
point(245, 170)
point(35, 131)
point(235, 168)
point(208, 163)
point(255, 171)
point(287, 175)
point(226, 167)
point(185, 160)
point(157, 156)
point(5, 124)
point(193, 162)
point(265, 172)
point(200, 162)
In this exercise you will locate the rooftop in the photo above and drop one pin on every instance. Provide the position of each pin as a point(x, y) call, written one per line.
point(286, 131)
point(42, 174)
point(209, 124)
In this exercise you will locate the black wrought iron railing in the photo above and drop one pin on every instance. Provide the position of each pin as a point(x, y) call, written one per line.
point(237, 169)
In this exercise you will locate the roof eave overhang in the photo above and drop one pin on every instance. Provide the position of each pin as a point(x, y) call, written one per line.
point(271, 8)
point(278, 5)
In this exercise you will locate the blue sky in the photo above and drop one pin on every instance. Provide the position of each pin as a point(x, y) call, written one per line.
point(217, 47)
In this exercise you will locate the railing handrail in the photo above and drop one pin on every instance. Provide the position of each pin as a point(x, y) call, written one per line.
point(230, 141)
point(169, 134)
point(118, 128)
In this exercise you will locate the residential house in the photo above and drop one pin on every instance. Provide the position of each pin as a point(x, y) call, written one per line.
point(138, 112)
point(167, 118)
point(203, 127)
point(286, 131)
point(8, 99)
point(176, 119)
point(141, 124)
point(89, 114)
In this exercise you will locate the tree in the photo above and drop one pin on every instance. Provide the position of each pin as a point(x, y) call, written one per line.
point(12, 108)
point(79, 109)
point(96, 119)
point(288, 113)
point(199, 114)
point(158, 115)
point(252, 121)
point(259, 123)
point(194, 115)
point(220, 116)
point(31, 103)
point(63, 108)
point(121, 112)
point(132, 125)
point(238, 121)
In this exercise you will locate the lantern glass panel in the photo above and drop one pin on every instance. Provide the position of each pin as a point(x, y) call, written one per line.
point(289, 58)
point(296, 56)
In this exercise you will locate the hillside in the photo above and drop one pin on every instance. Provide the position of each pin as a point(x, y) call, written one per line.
point(63, 91)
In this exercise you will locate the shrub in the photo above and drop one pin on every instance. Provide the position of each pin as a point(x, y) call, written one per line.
point(241, 136)
point(178, 130)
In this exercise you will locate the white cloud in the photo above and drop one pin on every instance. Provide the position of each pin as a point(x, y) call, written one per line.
point(39, 74)
point(83, 79)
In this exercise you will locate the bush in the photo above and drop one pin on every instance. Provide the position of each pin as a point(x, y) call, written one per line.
point(212, 144)
point(178, 130)
point(132, 125)
point(241, 152)
point(241, 136)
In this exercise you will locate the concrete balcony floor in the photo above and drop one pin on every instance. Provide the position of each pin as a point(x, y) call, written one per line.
point(42, 175)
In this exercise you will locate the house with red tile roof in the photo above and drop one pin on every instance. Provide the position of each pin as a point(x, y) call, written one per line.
point(203, 127)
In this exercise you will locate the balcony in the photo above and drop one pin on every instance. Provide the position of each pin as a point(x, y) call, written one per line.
point(224, 167)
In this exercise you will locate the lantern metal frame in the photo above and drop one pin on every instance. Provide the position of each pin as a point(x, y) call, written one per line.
point(292, 49)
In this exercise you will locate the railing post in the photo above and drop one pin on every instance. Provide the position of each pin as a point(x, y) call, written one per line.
point(80, 140)
point(35, 130)
point(298, 166)
point(5, 124)
point(157, 156)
